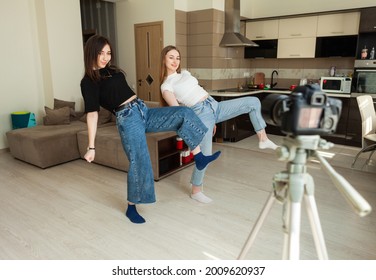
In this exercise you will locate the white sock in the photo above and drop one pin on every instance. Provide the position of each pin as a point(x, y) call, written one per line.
point(267, 145)
point(200, 197)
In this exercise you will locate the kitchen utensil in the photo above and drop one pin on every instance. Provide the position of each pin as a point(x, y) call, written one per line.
point(259, 78)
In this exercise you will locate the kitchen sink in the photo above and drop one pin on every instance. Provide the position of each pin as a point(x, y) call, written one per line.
point(279, 88)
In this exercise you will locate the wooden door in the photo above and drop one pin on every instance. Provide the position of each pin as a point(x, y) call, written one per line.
point(149, 44)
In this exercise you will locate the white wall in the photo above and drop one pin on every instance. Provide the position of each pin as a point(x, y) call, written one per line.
point(42, 57)
point(63, 21)
point(131, 12)
point(19, 74)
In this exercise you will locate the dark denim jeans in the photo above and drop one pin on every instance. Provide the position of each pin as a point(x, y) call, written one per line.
point(133, 122)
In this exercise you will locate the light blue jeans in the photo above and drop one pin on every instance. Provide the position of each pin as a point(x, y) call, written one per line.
point(211, 112)
point(133, 122)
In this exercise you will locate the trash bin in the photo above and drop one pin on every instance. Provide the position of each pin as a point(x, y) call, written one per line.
point(23, 119)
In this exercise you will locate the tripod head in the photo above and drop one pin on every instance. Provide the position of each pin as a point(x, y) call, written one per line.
point(297, 149)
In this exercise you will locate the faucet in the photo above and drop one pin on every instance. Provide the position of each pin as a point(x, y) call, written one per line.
point(272, 85)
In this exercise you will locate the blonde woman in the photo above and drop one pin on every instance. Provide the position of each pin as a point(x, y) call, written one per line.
point(180, 88)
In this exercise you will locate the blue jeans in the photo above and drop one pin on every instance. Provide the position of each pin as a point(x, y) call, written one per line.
point(211, 112)
point(133, 122)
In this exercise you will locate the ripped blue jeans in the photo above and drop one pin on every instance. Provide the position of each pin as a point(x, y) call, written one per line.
point(211, 112)
point(133, 122)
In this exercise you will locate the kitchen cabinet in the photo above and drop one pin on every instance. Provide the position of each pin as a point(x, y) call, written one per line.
point(338, 24)
point(266, 49)
point(367, 20)
point(235, 129)
point(262, 30)
point(300, 27)
point(336, 46)
point(296, 48)
point(331, 35)
point(354, 124)
point(297, 37)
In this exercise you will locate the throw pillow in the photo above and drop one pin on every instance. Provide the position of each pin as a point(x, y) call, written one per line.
point(58, 116)
point(104, 116)
point(61, 103)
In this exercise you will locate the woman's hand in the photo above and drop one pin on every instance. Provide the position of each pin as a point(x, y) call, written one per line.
point(90, 155)
point(214, 129)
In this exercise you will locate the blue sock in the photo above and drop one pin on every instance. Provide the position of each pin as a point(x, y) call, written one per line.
point(133, 215)
point(202, 161)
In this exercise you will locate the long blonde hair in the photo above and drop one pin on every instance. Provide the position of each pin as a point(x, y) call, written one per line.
point(163, 68)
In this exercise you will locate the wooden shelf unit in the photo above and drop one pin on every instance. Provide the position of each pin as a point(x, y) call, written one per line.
point(168, 157)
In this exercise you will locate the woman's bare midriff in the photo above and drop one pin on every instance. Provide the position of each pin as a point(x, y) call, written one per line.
point(128, 100)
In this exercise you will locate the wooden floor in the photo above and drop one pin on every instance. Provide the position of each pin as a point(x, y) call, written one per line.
point(76, 211)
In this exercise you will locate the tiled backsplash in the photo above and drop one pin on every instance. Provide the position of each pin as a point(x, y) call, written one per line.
point(198, 35)
point(231, 77)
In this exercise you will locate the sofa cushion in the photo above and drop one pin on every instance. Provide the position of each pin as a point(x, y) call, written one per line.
point(62, 103)
point(104, 116)
point(57, 116)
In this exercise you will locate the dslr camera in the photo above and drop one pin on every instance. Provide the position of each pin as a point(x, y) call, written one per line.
point(306, 111)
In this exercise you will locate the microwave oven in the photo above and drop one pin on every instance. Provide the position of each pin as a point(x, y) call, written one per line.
point(336, 84)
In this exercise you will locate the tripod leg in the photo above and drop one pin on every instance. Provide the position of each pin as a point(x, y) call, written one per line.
point(292, 233)
point(256, 228)
point(314, 220)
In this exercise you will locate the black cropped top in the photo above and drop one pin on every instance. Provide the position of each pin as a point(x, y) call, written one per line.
point(111, 91)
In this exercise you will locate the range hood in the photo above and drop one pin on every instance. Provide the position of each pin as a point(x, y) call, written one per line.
point(232, 36)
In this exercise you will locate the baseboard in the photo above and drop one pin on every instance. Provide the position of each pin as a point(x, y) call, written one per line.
point(5, 150)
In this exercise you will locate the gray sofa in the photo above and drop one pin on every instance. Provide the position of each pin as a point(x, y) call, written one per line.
point(48, 145)
point(45, 145)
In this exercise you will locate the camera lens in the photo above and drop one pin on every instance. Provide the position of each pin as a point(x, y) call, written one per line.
point(272, 108)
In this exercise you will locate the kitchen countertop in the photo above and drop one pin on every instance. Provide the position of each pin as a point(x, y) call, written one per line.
point(230, 93)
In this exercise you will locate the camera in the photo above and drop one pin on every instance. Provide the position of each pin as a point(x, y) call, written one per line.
point(306, 111)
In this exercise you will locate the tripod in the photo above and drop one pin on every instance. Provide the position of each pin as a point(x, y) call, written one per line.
point(290, 186)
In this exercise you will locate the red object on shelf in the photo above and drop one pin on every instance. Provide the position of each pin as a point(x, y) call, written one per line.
point(186, 157)
point(179, 143)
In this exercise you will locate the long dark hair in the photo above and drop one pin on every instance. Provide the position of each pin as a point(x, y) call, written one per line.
point(163, 72)
point(93, 48)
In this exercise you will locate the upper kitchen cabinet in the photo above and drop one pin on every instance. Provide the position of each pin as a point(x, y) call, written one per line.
point(297, 37)
point(296, 48)
point(338, 24)
point(301, 27)
point(367, 20)
point(262, 30)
